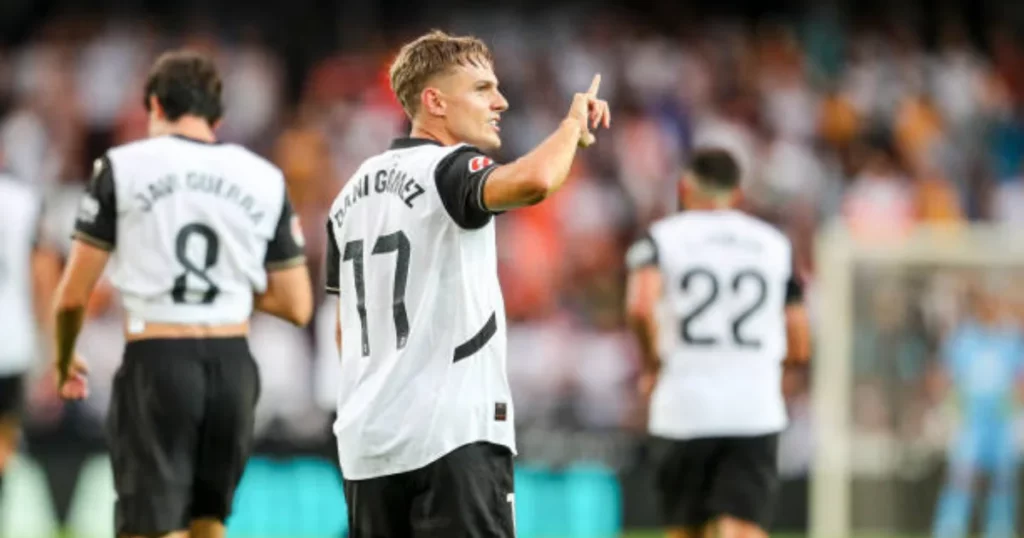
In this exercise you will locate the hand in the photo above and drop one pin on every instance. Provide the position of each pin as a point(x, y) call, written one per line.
point(74, 385)
point(44, 400)
point(590, 112)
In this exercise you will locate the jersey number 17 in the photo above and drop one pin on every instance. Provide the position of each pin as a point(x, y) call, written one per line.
point(385, 244)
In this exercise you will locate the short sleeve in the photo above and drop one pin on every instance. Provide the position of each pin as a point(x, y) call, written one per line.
point(642, 253)
point(794, 290)
point(286, 247)
point(460, 179)
point(96, 221)
point(794, 286)
point(332, 286)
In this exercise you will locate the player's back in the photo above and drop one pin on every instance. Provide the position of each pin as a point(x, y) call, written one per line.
point(985, 362)
point(20, 207)
point(422, 358)
point(192, 227)
point(721, 325)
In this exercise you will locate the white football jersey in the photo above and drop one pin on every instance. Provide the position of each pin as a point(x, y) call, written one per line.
point(20, 208)
point(193, 228)
point(411, 254)
point(721, 323)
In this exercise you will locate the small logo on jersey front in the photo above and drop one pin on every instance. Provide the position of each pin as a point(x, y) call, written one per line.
point(500, 412)
point(477, 164)
point(300, 239)
point(88, 209)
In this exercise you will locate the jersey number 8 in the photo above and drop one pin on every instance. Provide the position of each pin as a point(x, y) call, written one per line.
point(180, 290)
point(748, 275)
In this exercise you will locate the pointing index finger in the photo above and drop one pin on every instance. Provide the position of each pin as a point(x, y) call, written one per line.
point(595, 85)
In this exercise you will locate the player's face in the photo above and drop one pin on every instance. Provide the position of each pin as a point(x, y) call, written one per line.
point(474, 106)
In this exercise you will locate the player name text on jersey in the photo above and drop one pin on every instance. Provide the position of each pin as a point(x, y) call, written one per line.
point(169, 184)
point(394, 181)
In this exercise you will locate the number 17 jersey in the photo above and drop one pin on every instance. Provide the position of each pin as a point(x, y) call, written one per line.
point(192, 227)
point(412, 257)
point(726, 278)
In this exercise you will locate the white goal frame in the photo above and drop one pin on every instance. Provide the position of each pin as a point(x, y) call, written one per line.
point(836, 253)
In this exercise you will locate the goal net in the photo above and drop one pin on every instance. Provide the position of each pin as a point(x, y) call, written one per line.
point(885, 413)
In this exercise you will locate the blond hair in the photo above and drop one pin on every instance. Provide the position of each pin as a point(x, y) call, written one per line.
point(432, 54)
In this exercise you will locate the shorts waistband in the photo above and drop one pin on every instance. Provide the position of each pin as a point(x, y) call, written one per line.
point(185, 346)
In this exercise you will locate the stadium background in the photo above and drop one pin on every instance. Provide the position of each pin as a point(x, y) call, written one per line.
point(875, 115)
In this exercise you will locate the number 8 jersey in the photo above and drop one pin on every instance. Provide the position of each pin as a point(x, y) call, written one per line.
point(412, 257)
point(192, 228)
point(726, 278)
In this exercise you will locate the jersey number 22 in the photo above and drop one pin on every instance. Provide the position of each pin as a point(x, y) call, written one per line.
point(747, 277)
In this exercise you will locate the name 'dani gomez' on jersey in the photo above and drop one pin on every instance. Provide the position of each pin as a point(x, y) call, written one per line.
point(394, 181)
point(202, 183)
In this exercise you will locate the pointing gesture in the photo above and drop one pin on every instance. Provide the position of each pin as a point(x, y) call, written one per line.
point(590, 111)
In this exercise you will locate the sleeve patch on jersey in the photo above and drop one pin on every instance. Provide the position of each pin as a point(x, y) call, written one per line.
point(88, 209)
point(477, 164)
point(297, 235)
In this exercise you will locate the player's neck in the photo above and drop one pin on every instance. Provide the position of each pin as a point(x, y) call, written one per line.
point(431, 132)
point(710, 205)
point(188, 127)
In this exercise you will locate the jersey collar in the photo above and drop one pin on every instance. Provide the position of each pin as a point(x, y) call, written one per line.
point(194, 140)
point(411, 142)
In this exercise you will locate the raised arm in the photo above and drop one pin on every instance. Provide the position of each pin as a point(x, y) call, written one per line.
point(541, 172)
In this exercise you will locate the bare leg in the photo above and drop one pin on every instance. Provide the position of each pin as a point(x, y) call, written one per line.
point(175, 534)
point(208, 528)
point(730, 527)
point(10, 431)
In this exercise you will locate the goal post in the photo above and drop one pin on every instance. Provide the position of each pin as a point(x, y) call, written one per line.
point(839, 255)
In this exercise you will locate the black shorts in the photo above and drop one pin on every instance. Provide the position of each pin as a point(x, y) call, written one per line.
point(12, 395)
point(180, 431)
point(468, 493)
point(701, 479)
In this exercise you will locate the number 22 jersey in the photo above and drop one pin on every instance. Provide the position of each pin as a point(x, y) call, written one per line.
point(412, 256)
point(192, 227)
point(726, 278)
